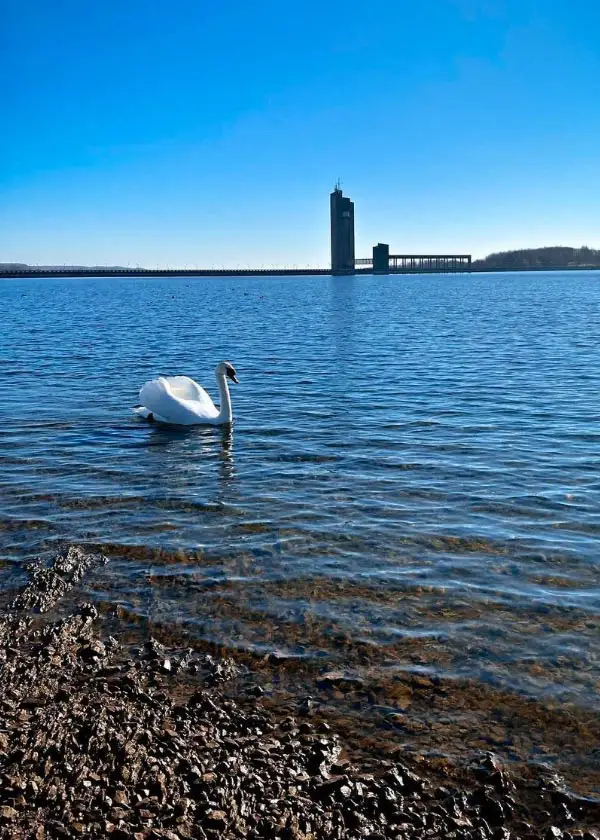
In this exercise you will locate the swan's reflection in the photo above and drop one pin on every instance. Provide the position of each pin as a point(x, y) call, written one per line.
point(184, 454)
point(227, 466)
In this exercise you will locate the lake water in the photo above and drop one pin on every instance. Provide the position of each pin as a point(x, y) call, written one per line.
point(412, 481)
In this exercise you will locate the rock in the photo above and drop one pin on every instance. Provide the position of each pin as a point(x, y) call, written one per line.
point(340, 680)
point(94, 650)
point(47, 585)
point(306, 706)
point(216, 819)
point(116, 814)
point(183, 805)
point(8, 814)
point(492, 811)
point(255, 691)
point(491, 772)
point(402, 779)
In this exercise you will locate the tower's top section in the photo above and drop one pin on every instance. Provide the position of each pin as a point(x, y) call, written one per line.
point(338, 186)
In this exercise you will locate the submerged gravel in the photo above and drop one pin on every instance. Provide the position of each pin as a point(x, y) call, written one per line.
point(99, 740)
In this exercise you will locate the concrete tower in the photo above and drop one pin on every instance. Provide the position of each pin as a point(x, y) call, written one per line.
point(342, 231)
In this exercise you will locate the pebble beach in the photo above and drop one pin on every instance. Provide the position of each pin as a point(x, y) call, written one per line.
point(132, 741)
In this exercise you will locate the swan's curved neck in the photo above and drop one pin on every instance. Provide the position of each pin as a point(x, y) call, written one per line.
point(225, 414)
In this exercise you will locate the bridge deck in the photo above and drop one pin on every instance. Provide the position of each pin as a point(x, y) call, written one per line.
point(422, 262)
point(399, 264)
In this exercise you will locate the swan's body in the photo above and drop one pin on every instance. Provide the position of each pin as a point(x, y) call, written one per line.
point(179, 401)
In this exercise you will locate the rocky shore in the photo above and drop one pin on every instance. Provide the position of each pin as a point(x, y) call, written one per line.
point(103, 739)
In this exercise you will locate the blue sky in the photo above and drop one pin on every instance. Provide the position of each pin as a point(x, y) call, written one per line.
point(210, 132)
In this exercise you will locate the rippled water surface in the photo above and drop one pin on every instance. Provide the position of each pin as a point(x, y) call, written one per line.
point(412, 480)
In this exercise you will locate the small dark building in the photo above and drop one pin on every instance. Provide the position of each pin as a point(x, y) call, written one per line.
point(381, 258)
point(342, 232)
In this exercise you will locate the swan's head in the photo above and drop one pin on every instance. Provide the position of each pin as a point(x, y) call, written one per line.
point(226, 369)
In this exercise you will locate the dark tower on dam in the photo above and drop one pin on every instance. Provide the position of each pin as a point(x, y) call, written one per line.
point(342, 231)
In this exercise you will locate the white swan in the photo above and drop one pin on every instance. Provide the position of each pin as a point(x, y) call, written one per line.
point(180, 401)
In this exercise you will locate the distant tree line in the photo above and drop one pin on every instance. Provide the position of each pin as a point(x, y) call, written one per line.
point(556, 256)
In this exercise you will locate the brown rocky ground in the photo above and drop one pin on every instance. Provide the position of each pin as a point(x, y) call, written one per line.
point(102, 739)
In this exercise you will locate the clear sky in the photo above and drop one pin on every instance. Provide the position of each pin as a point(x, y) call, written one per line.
point(210, 132)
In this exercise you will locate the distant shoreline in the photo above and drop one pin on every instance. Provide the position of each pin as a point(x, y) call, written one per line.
point(267, 272)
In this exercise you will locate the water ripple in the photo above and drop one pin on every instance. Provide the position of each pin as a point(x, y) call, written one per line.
point(419, 480)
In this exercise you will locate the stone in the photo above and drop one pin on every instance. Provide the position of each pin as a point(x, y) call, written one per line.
point(341, 680)
point(217, 819)
point(8, 814)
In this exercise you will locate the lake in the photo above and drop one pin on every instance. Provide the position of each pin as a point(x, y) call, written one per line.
point(411, 483)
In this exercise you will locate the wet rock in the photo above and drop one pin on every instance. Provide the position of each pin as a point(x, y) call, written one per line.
point(255, 691)
point(491, 772)
point(306, 706)
point(49, 584)
point(340, 680)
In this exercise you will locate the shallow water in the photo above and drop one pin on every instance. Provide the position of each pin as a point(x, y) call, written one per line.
point(412, 481)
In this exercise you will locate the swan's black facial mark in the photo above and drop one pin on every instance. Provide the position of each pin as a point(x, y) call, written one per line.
point(230, 370)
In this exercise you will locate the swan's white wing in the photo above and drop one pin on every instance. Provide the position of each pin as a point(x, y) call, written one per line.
point(159, 398)
point(186, 389)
